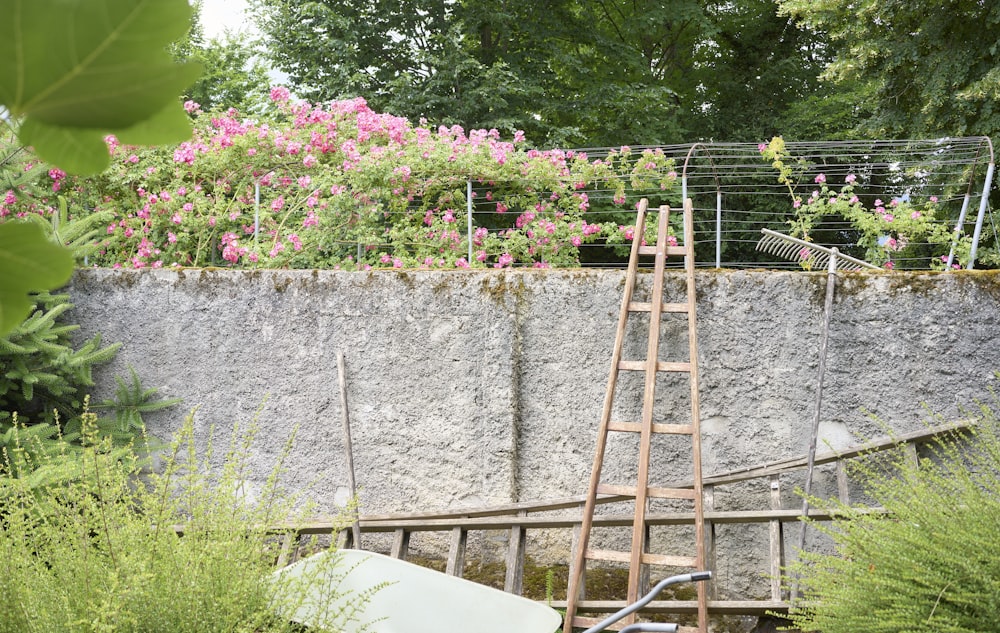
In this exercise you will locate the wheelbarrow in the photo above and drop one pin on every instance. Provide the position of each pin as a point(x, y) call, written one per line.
point(373, 592)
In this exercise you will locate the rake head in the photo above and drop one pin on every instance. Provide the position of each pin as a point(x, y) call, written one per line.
point(812, 256)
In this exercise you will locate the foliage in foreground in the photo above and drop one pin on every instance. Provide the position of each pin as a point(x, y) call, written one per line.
point(61, 91)
point(932, 563)
point(44, 379)
point(103, 553)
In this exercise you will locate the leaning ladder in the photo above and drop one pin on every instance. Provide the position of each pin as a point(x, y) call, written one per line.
point(639, 558)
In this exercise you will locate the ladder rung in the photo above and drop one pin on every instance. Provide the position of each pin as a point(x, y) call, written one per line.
point(651, 491)
point(672, 251)
point(669, 561)
point(609, 555)
point(579, 621)
point(663, 365)
point(639, 306)
point(646, 558)
point(636, 427)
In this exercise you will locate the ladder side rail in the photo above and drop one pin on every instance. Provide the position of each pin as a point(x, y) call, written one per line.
point(648, 402)
point(699, 511)
point(579, 558)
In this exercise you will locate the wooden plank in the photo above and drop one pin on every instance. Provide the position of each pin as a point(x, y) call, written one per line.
point(708, 497)
point(651, 491)
point(580, 621)
point(579, 564)
point(288, 542)
point(669, 251)
point(456, 552)
point(615, 556)
point(843, 485)
point(876, 445)
point(514, 574)
point(582, 590)
point(669, 560)
point(698, 483)
point(561, 503)
point(639, 306)
point(543, 522)
point(776, 542)
point(636, 427)
point(648, 405)
point(670, 493)
point(658, 607)
point(400, 543)
point(663, 365)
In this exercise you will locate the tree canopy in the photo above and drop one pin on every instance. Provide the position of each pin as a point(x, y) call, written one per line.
point(570, 73)
point(923, 68)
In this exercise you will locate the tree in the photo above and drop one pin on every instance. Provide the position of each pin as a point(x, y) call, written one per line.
point(569, 73)
point(925, 68)
point(234, 76)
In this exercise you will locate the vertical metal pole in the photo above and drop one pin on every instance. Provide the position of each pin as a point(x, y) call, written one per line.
point(468, 213)
point(256, 210)
point(958, 229)
point(718, 229)
point(979, 219)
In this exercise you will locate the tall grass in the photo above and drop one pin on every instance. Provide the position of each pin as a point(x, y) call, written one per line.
point(181, 550)
point(932, 563)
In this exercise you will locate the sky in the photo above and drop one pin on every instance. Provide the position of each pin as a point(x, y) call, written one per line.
point(219, 15)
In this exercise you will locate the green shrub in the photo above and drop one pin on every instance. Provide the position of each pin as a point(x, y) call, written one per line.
point(44, 380)
point(932, 562)
point(180, 550)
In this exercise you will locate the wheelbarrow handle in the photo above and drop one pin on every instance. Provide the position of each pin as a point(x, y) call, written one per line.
point(697, 576)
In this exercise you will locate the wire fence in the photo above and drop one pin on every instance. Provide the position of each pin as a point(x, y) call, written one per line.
point(737, 190)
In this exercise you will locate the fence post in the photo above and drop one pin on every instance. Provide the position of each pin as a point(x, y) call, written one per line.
point(468, 213)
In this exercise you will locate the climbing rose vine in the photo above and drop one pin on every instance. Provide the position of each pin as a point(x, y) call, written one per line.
point(888, 230)
point(338, 185)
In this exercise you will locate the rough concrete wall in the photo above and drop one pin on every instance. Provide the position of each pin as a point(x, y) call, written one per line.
point(473, 388)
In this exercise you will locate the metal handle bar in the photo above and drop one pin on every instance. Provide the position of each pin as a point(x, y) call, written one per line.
point(697, 576)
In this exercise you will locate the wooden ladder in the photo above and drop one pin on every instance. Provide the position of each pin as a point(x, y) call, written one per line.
point(639, 558)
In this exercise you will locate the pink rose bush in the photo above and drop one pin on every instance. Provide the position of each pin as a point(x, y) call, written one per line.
point(338, 185)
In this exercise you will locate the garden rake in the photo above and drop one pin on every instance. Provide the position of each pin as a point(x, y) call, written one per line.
point(812, 255)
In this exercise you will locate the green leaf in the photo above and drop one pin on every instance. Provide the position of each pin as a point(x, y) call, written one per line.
point(76, 150)
point(93, 63)
point(169, 125)
point(28, 262)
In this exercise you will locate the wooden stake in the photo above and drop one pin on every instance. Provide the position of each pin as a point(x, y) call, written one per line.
point(348, 447)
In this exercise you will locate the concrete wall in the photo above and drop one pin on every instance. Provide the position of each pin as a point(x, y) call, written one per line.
point(472, 388)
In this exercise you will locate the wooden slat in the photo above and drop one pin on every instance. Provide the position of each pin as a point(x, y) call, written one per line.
point(636, 427)
point(609, 555)
point(615, 556)
point(670, 251)
point(711, 562)
point(682, 607)
point(288, 542)
point(669, 493)
point(400, 543)
point(580, 621)
point(640, 365)
point(651, 491)
point(776, 545)
point(514, 575)
point(543, 522)
point(669, 560)
point(826, 457)
point(843, 487)
point(456, 552)
point(645, 306)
